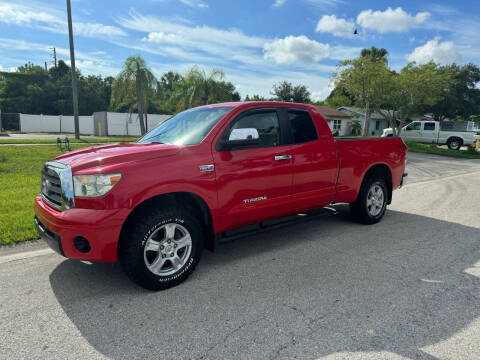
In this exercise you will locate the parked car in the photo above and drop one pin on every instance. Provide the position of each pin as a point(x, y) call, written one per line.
point(155, 204)
point(431, 132)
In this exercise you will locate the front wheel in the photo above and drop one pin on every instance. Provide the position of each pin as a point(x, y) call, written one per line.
point(371, 203)
point(162, 248)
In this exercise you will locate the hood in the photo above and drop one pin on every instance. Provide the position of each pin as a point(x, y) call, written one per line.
point(104, 155)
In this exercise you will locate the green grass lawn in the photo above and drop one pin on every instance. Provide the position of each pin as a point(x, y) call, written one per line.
point(20, 168)
point(84, 140)
point(434, 149)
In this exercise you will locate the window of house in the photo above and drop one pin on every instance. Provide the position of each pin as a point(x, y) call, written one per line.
point(303, 128)
point(377, 124)
point(337, 125)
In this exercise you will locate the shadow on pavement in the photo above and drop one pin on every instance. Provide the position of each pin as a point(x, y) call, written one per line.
point(310, 290)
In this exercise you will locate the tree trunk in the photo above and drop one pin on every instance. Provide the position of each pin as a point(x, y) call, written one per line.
point(366, 125)
point(140, 103)
point(206, 94)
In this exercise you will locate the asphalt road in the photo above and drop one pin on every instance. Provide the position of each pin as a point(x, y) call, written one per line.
point(406, 288)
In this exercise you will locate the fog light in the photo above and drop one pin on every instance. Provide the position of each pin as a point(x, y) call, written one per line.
point(81, 244)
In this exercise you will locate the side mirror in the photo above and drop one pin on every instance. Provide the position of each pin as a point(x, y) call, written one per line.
point(240, 138)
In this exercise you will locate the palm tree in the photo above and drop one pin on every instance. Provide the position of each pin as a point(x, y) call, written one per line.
point(198, 88)
point(356, 128)
point(204, 86)
point(135, 81)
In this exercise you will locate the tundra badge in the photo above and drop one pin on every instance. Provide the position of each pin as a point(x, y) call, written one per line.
point(261, 198)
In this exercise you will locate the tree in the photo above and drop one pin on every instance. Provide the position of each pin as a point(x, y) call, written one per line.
point(463, 97)
point(375, 54)
point(360, 77)
point(356, 128)
point(135, 81)
point(339, 97)
point(285, 91)
point(415, 89)
point(204, 87)
point(255, 97)
point(196, 88)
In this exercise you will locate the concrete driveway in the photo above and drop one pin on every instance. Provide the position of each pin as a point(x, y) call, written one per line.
point(406, 288)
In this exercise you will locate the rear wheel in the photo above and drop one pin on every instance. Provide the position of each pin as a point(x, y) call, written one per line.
point(372, 200)
point(162, 248)
point(454, 143)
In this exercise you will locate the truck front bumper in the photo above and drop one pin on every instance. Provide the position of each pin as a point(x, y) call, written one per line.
point(69, 232)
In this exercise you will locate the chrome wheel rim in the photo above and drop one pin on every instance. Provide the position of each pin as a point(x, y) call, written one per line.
point(375, 200)
point(167, 249)
point(454, 144)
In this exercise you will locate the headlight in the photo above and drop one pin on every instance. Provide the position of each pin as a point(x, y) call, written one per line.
point(94, 185)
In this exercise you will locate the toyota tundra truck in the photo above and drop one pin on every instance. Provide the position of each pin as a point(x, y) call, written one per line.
point(155, 204)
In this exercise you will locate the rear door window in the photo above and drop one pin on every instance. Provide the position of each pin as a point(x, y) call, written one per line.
point(429, 126)
point(302, 126)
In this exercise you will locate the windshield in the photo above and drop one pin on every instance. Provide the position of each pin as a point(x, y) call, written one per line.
point(186, 128)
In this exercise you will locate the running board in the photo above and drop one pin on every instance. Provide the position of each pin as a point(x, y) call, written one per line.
point(273, 224)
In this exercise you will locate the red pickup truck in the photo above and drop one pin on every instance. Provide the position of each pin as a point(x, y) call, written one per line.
point(155, 204)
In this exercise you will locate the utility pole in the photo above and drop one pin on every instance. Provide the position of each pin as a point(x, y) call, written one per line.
point(74, 73)
point(54, 56)
point(46, 68)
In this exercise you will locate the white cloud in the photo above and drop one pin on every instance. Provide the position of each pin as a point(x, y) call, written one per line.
point(199, 42)
point(34, 16)
point(279, 3)
point(195, 3)
point(93, 30)
point(390, 20)
point(293, 49)
point(434, 50)
point(161, 37)
point(335, 26)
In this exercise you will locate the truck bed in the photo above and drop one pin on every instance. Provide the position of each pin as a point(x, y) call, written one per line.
point(357, 154)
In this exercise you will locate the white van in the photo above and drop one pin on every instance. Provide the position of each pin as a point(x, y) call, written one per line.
point(430, 132)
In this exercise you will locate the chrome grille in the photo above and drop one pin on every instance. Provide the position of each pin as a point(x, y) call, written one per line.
point(51, 188)
point(57, 185)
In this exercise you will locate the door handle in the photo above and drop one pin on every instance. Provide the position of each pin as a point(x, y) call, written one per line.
point(283, 157)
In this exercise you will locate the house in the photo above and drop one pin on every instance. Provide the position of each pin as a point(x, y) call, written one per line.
point(377, 121)
point(337, 120)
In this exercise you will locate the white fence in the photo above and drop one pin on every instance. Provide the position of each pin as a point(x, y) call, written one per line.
point(129, 124)
point(122, 124)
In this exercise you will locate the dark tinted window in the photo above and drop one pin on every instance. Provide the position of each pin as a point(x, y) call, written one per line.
point(429, 126)
point(267, 125)
point(303, 129)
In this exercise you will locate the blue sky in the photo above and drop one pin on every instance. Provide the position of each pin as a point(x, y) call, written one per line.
point(257, 43)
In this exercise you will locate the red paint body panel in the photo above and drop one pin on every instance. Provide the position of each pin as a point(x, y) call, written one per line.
point(319, 173)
